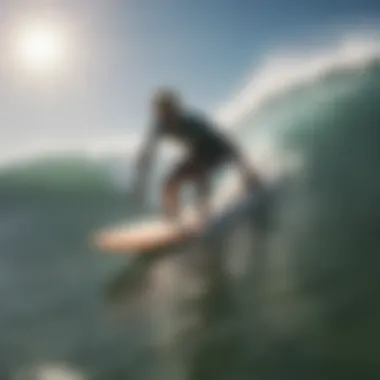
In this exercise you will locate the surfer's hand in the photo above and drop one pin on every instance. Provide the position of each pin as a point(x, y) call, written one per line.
point(250, 179)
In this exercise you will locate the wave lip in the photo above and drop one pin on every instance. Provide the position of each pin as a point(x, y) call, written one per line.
point(290, 69)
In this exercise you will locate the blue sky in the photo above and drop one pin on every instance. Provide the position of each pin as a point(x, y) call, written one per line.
point(124, 49)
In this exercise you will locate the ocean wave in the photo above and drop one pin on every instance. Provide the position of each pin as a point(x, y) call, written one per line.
point(310, 285)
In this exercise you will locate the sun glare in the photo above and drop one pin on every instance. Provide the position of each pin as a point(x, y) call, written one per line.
point(41, 47)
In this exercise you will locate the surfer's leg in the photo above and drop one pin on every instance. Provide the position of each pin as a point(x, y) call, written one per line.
point(203, 171)
point(171, 199)
point(172, 188)
point(202, 183)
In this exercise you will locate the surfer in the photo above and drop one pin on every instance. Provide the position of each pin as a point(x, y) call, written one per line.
point(207, 150)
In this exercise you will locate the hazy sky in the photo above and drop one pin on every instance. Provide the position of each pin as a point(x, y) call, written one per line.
point(118, 51)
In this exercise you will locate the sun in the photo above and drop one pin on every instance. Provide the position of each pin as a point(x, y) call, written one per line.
point(41, 47)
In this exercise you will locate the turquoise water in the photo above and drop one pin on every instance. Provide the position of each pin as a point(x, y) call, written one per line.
point(311, 311)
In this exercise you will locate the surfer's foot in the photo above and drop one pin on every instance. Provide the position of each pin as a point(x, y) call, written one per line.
point(172, 218)
point(177, 223)
point(187, 232)
point(191, 228)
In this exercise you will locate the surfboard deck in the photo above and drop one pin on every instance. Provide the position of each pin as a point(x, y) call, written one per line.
point(147, 236)
point(155, 235)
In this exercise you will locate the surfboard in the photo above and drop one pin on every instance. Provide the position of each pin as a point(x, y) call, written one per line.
point(157, 234)
point(146, 236)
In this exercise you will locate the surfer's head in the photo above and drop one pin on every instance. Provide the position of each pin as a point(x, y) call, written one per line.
point(167, 105)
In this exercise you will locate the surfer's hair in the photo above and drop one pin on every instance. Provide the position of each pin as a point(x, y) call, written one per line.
point(167, 97)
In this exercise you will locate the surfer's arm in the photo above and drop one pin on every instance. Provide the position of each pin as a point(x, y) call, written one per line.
point(148, 150)
point(144, 163)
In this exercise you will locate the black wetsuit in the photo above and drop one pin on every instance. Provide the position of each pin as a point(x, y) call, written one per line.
point(207, 147)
